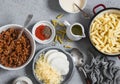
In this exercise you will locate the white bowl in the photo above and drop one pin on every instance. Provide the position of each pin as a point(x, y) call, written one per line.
point(47, 24)
point(82, 6)
point(32, 42)
point(24, 79)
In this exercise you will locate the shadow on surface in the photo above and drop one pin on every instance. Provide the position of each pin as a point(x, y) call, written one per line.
point(54, 5)
point(29, 73)
point(10, 81)
point(30, 27)
point(83, 20)
point(3, 70)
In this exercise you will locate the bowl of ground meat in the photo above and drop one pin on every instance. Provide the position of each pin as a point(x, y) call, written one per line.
point(15, 53)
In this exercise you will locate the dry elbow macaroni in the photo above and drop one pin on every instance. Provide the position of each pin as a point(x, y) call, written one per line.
point(105, 33)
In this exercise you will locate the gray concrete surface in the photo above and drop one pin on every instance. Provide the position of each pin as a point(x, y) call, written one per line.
point(15, 11)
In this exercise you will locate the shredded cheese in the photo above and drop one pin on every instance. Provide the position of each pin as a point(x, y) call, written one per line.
point(46, 73)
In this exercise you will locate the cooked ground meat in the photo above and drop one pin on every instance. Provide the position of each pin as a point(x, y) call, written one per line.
point(14, 53)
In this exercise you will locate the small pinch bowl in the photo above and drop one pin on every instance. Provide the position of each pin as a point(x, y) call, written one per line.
point(47, 23)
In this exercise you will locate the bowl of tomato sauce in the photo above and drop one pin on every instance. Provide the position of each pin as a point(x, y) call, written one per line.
point(43, 32)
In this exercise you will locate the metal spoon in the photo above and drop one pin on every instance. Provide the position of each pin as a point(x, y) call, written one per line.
point(77, 57)
point(29, 17)
point(83, 12)
point(79, 62)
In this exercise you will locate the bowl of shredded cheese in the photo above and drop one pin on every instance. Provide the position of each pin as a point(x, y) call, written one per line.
point(50, 68)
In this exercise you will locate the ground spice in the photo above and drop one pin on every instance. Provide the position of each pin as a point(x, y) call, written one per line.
point(43, 32)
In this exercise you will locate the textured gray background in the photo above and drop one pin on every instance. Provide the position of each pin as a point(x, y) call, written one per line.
point(15, 11)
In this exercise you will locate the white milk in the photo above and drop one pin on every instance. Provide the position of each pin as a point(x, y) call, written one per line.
point(69, 6)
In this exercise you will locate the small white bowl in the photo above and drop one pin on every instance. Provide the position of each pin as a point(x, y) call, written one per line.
point(23, 79)
point(32, 42)
point(47, 24)
point(82, 6)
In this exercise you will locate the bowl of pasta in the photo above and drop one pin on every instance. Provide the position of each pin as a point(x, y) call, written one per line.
point(104, 31)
